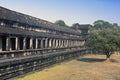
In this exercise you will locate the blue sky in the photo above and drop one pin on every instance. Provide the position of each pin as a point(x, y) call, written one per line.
point(71, 11)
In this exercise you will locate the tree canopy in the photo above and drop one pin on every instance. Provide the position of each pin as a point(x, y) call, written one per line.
point(101, 24)
point(105, 37)
point(61, 23)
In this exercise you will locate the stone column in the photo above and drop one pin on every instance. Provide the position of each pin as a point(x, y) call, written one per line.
point(68, 43)
point(83, 42)
point(46, 43)
point(17, 43)
point(7, 43)
point(41, 43)
point(31, 43)
point(65, 43)
point(61, 43)
point(72, 43)
point(24, 43)
point(75, 43)
point(36, 43)
point(53, 46)
point(79, 43)
point(56, 43)
point(50, 43)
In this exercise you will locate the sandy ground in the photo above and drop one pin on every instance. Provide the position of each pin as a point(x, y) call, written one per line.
point(89, 67)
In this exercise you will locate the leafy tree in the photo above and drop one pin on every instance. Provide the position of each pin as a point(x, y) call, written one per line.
point(100, 24)
point(106, 40)
point(104, 37)
point(115, 25)
point(60, 23)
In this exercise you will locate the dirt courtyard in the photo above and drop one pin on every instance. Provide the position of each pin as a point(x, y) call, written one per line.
point(88, 67)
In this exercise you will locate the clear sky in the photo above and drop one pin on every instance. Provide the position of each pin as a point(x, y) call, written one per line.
point(71, 11)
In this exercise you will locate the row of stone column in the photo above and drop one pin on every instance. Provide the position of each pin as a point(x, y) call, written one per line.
point(22, 43)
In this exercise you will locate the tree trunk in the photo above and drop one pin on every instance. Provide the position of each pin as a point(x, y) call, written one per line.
point(107, 56)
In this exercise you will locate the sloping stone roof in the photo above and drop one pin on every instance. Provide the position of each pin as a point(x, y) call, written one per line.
point(80, 26)
point(21, 32)
point(22, 18)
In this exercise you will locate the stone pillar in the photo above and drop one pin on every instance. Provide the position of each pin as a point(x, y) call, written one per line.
point(36, 43)
point(10, 44)
point(67, 43)
point(17, 43)
point(31, 43)
point(61, 43)
point(24, 43)
point(83, 42)
point(53, 46)
point(56, 43)
point(77, 43)
point(46, 43)
point(50, 43)
point(64, 43)
point(80, 43)
point(7, 43)
point(72, 43)
point(41, 43)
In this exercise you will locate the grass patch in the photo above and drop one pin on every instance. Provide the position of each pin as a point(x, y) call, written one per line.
point(89, 67)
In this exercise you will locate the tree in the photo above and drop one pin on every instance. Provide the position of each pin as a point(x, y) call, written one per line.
point(107, 40)
point(115, 25)
point(101, 24)
point(60, 23)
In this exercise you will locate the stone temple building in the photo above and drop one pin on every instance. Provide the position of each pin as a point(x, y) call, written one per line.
point(28, 43)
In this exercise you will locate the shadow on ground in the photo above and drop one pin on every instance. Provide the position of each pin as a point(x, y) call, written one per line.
point(91, 60)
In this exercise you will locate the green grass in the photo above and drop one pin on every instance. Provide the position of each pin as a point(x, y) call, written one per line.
point(89, 67)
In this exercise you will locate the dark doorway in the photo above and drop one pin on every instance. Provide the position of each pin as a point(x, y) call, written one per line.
point(12, 42)
point(34, 43)
point(44, 43)
point(27, 43)
point(21, 43)
point(39, 44)
point(4, 43)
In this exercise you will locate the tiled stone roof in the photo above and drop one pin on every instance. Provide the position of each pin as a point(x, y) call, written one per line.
point(21, 32)
point(22, 18)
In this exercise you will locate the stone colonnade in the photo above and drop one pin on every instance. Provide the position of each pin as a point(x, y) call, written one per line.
point(8, 43)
